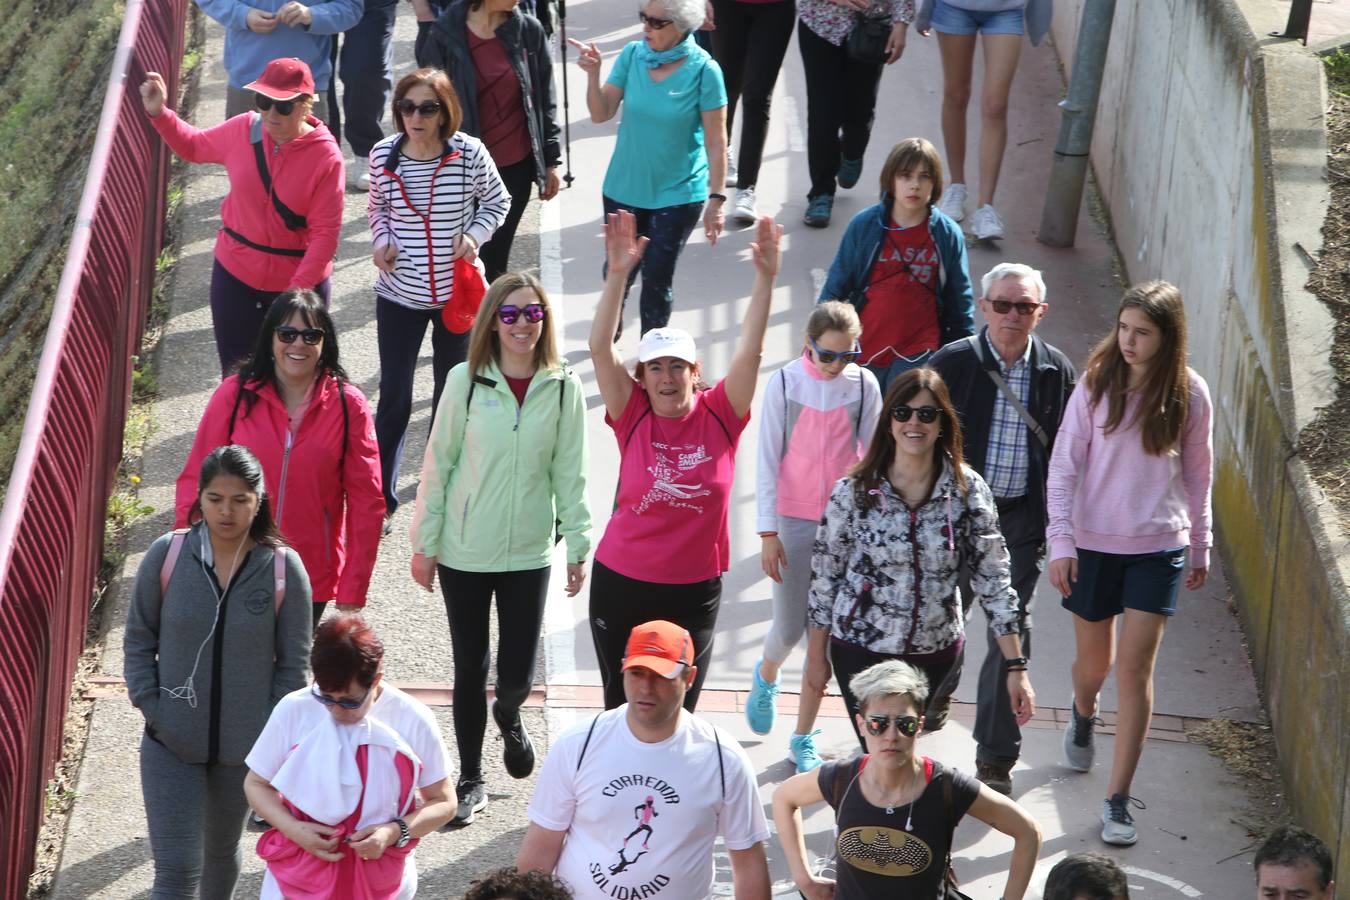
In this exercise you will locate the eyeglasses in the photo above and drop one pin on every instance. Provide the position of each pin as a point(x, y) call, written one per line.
point(927, 414)
point(287, 334)
point(906, 725)
point(264, 103)
point(534, 312)
point(653, 22)
point(345, 702)
point(1025, 308)
point(426, 109)
point(828, 356)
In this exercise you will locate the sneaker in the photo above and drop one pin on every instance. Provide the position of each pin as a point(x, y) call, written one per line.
point(818, 209)
point(996, 776)
point(1078, 746)
point(472, 797)
point(363, 179)
point(850, 170)
point(731, 170)
point(759, 706)
point(1117, 823)
point(985, 224)
point(745, 214)
point(953, 202)
point(803, 750)
point(518, 754)
point(389, 524)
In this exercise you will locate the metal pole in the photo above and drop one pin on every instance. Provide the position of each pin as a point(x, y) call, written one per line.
point(1296, 27)
point(568, 178)
point(1059, 219)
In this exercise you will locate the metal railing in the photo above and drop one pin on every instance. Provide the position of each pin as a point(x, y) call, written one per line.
point(51, 526)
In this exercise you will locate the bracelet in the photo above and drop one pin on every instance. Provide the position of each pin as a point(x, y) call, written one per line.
point(1009, 662)
point(1017, 669)
point(768, 534)
point(716, 196)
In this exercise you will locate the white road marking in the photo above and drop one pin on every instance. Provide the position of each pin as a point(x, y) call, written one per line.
point(792, 123)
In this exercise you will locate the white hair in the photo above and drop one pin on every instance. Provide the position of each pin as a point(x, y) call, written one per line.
point(888, 679)
point(687, 15)
point(1012, 270)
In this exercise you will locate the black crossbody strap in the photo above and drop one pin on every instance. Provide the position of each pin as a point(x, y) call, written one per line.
point(589, 731)
point(292, 220)
point(977, 344)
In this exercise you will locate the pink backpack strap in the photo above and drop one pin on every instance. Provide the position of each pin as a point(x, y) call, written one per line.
point(170, 560)
point(279, 577)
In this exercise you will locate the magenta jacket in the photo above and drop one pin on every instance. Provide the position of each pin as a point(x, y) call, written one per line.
point(324, 486)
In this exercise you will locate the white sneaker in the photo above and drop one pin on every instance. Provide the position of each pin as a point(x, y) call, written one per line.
point(731, 170)
point(363, 179)
point(953, 202)
point(744, 213)
point(985, 223)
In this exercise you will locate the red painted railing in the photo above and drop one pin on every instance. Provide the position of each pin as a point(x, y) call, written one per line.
point(51, 526)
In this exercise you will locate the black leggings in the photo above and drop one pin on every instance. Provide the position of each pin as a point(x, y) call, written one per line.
point(520, 615)
point(519, 181)
point(848, 660)
point(620, 603)
point(749, 43)
point(841, 103)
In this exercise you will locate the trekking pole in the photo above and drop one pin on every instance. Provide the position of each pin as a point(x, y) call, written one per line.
point(567, 106)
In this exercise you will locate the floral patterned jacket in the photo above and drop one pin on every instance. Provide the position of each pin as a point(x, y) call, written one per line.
point(833, 22)
point(884, 578)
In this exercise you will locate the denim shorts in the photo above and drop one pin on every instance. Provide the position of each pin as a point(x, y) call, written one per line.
point(948, 19)
point(1110, 583)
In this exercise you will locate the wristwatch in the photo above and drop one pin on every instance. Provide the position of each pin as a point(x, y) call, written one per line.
point(404, 835)
point(716, 196)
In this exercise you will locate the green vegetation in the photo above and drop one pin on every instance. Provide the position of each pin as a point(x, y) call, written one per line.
point(51, 92)
point(1338, 71)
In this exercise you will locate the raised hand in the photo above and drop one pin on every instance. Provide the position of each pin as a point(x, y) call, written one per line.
point(623, 247)
point(588, 57)
point(765, 250)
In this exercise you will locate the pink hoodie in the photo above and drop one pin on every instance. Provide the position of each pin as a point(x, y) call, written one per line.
point(308, 177)
point(1105, 493)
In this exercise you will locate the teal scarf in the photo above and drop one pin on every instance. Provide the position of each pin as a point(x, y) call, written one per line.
point(652, 59)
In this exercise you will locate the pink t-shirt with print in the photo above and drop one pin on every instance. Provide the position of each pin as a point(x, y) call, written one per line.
point(669, 524)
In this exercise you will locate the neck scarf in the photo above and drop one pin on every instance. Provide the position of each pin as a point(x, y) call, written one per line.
point(652, 59)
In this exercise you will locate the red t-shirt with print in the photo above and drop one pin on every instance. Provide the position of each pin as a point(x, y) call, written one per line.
point(669, 524)
point(900, 316)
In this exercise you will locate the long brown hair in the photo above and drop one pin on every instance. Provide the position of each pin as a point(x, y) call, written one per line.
point(1165, 393)
point(875, 466)
point(484, 345)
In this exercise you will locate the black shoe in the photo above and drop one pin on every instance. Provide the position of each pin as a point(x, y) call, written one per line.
point(936, 716)
point(996, 776)
point(472, 799)
point(389, 524)
point(518, 755)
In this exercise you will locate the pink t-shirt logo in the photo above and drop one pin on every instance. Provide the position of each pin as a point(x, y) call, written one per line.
point(670, 486)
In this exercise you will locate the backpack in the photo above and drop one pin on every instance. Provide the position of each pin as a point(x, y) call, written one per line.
point(176, 547)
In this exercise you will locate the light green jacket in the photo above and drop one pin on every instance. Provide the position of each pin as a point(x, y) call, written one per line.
point(497, 474)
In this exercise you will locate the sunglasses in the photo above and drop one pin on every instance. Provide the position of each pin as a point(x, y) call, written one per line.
point(1025, 308)
point(345, 702)
point(927, 414)
point(426, 109)
point(534, 312)
point(828, 356)
point(284, 107)
point(287, 334)
point(906, 725)
point(653, 22)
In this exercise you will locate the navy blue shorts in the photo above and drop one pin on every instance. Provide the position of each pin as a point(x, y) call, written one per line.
point(1110, 583)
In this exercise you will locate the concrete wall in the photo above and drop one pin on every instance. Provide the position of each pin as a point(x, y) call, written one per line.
point(1210, 153)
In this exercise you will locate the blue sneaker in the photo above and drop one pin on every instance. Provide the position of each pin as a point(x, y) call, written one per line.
point(818, 209)
point(850, 170)
point(760, 709)
point(803, 750)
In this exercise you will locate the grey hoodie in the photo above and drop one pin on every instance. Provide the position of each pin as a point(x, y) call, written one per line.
point(262, 656)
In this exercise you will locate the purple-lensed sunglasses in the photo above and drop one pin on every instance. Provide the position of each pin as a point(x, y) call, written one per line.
point(534, 312)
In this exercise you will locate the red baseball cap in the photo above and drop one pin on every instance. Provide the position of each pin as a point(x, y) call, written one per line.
point(664, 647)
point(284, 79)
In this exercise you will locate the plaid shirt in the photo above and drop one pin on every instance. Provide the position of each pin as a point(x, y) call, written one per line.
point(1005, 465)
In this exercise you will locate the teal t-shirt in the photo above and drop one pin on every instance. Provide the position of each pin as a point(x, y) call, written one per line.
point(659, 159)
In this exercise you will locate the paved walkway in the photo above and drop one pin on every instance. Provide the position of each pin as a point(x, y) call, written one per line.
point(1190, 845)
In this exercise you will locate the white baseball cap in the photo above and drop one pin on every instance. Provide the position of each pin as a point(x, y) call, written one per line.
point(661, 342)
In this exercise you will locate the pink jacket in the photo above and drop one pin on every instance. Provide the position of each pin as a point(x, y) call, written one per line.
point(325, 499)
point(1104, 493)
point(307, 176)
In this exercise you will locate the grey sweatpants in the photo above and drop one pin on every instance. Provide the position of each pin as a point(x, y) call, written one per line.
point(789, 597)
point(196, 815)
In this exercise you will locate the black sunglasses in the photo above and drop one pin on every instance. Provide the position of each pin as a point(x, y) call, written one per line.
point(1025, 308)
point(345, 702)
point(264, 103)
point(653, 22)
point(534, 312)
point(927, 414)
point(287, 334)
point(426, 109)
point(906, 725)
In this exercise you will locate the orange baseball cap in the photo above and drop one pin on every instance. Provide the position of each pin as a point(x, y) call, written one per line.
point(664, 647)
